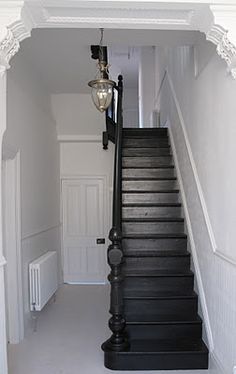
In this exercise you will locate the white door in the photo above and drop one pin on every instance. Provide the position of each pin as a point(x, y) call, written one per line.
point(84, 230)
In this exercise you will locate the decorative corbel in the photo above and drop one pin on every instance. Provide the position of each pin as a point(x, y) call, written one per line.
point(16, 25)
point(223, 34)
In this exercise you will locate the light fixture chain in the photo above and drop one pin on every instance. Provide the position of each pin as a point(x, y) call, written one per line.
point(101, 39)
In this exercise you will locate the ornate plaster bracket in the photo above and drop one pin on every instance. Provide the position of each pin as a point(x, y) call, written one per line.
point(16, 25)
point(223, 34)
point(225, 49)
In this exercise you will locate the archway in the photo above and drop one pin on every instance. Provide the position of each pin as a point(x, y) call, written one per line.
point(19, 18)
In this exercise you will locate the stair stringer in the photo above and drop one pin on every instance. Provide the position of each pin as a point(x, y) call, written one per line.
point(192, 249)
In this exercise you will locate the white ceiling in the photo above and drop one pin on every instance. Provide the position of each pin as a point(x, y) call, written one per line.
point(62, 56)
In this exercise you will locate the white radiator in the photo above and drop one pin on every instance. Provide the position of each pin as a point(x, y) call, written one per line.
point(43, 280)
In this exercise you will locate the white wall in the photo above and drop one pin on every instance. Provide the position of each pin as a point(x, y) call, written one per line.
point(130, 107)
point(146, 85)
point(31, 129)
point(76, 114)
point(201, 113)
point(77, 117)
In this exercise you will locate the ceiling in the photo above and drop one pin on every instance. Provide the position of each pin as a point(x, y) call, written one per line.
point(62, 56)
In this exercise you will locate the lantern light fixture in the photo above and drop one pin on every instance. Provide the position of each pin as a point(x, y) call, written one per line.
point(102, 86)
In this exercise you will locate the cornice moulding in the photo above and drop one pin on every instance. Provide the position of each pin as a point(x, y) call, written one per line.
point(122, 15)
point(217, 21)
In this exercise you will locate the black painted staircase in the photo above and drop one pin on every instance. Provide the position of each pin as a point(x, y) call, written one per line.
point(163, 328)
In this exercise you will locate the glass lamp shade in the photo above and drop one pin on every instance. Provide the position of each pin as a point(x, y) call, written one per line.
point(102, 90)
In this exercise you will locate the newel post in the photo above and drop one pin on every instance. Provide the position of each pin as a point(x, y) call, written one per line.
point(117, 341)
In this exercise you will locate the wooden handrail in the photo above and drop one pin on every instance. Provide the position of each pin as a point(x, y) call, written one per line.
point(117, 341)
point(111, 119)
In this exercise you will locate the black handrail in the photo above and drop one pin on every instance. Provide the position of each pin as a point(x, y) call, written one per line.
point(117, 341)
point(110, 133)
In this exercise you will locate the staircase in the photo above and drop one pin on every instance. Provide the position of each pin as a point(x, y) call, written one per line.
point(160, 307)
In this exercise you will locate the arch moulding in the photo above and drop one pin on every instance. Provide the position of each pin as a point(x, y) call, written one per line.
point(216, 21)
point(19, 17)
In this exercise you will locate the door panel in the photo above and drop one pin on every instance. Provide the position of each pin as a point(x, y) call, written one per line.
point(84, 220)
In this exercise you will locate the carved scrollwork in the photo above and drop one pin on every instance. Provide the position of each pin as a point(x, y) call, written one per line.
point(225, 49)
point(12, 33)
point(9, 46)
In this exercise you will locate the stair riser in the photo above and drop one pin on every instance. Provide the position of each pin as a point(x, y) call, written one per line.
point(164, 331)
point(157, 361)
point(149, 185)
point(176, 307)
point(161, 197)
point(151, 212)
point(159, 244)
point(149, 173)
point(146, 143)
point(160, 151)
point(157, 284)
point(154, 132)
point(157, 263)
point(146, 161)
point(152, 227)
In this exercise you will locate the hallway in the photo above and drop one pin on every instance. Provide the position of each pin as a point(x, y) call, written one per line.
point(69, 334)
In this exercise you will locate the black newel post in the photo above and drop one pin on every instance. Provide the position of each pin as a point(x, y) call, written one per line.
point(117, 341)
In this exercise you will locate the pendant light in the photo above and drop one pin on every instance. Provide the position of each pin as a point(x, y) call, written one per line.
point(102, 86)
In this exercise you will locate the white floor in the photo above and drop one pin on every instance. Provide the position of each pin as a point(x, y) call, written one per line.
point(69, 335)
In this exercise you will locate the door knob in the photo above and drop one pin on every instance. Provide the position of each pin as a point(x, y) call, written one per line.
point(100, 240)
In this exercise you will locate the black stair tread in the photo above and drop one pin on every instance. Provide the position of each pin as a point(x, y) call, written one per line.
point(134, 319)
point(158, 273)
point(160, 295)
point(168, 346)
point(149, 155)
point(145, 134)
point(136, 253)
point(161, 319)
point(146, 146)
point(142, 135)
point(149, 167)
point(144, 219)
point(138, 147)
point(154, 236)
point(151, 204)
point(146, 129)
point(149, 179)
point(157, 253)
point(151, 191)
point(157, 156)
